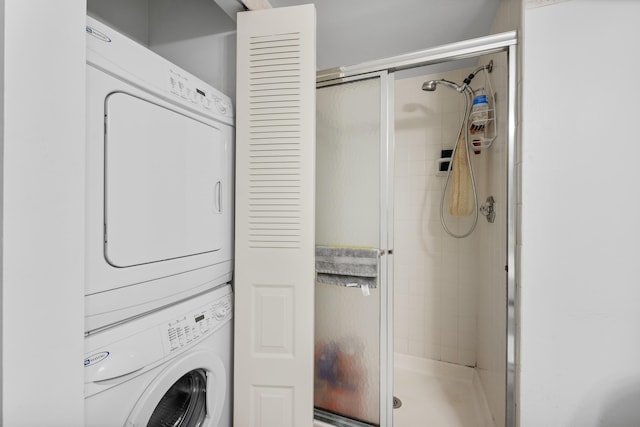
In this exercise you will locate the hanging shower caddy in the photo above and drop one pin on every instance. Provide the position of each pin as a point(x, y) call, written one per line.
point(481, 126)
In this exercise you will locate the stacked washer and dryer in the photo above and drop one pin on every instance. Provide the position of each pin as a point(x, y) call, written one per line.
point(159, 240)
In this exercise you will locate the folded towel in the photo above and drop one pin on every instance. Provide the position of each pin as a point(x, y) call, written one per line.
point(461, 202)
point(347, 266)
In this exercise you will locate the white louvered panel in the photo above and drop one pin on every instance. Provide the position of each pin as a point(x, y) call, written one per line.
point(275, 218)
point(275, 138)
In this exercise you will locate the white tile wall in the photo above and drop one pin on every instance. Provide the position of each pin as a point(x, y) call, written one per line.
point(460, 283)
point(435, 300)
point(450, 293)
point(489, 240)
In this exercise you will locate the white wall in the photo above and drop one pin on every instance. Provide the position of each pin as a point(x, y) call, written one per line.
point(354, 31)
point(580, 277)
point(42, 117)
point(130, 17)
point(199, 37)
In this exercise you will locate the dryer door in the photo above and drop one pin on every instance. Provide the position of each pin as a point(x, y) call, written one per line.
point(164, 183)
point(189, 393)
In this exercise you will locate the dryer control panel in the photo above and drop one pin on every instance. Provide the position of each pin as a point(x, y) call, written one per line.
point(182, 85)
point(109, 50)
point(186, 329)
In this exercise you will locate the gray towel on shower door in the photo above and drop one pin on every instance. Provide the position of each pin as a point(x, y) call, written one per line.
point(348, 281)
point(347, 266)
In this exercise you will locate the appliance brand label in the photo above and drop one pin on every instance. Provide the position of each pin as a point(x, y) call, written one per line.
point(95, 358)
point(97, 34)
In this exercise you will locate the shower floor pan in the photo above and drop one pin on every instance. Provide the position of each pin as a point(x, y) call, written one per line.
point(438, 394)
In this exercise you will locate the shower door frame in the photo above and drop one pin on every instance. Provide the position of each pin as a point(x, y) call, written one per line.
point(385, 230)
point(502, 42)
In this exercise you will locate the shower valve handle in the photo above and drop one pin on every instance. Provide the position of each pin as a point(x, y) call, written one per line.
point(487, 209)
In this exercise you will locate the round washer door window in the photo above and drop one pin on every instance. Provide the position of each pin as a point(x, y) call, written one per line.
point(189, 392)
point(184, 404)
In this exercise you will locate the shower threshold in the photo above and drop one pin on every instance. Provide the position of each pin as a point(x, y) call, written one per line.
point(329, 419)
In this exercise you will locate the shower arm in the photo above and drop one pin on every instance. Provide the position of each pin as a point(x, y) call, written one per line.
point(488, 67)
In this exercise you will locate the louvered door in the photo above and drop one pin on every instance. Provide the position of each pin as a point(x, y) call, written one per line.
point(275, 219)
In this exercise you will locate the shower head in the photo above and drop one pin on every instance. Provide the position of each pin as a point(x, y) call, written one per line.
point(431, 85)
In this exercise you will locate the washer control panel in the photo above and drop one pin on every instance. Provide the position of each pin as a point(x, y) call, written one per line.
point(186, 329)
point(205, 98)
point(143, 343)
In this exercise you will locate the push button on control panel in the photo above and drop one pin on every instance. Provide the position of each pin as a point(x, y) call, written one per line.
point(199, 323)
point(204, 99)
point(219, 105)
point(181, 86)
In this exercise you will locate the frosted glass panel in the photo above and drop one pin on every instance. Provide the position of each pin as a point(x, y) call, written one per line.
point(348, 164)
point(347, 329)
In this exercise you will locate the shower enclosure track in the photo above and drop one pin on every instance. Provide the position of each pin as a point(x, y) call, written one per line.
point(450, 52)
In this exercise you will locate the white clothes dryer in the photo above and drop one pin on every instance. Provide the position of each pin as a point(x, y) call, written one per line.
point(171, 367)
point(159, 171)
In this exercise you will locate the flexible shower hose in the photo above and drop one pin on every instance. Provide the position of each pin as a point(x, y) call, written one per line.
point(463, 128)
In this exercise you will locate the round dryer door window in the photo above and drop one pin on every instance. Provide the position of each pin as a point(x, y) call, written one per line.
point(184, 404)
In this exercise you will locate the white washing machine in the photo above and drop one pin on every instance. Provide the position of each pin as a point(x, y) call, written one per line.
point(171, 367)
point(159, 206)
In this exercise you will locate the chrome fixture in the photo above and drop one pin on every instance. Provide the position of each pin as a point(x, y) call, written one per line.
point(468, 94)
point(465, 89)
point(488, 67)
point(487, 209)
point(397, 403)
point(430, 86)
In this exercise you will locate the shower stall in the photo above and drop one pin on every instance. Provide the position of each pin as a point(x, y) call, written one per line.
point(429, 339)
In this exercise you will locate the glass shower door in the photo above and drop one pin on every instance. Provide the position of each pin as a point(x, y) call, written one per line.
point(349, 195)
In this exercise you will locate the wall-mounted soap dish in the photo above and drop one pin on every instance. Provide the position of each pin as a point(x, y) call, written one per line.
point(443, 162)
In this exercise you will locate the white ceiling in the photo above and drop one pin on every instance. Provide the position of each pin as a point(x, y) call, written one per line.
point(354, 31)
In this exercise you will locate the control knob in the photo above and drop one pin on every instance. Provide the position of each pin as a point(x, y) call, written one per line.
point(220, 312)
point(219, 104)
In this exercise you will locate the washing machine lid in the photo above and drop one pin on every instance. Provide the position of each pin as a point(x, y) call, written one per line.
point(164, 176)
point(177, 393)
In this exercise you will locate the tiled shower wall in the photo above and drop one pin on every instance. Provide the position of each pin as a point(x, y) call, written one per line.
point(489, 254)
point(435, 296)
point(449, 293)
point(447, 290)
